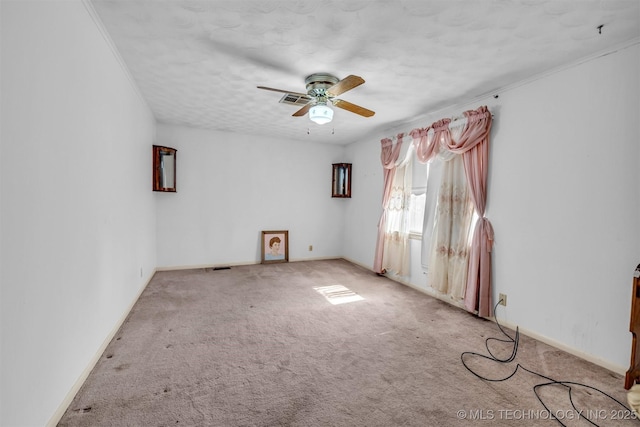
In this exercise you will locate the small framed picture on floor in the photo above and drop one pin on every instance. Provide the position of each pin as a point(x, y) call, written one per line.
point(275, 246)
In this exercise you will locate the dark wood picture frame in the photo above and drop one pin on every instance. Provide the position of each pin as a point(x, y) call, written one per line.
point(341, 180)
point(164, 169)
point(275, 246)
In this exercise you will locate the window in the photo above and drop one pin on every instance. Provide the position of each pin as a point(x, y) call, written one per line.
point(417, 199)
point(416, 211)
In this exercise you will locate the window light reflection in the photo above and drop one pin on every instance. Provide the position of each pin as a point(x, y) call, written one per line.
point(337, 294)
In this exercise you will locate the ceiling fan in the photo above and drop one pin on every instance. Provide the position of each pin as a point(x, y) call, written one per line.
point(322, 90)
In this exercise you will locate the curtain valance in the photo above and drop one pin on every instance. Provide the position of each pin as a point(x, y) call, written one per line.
point(430, 140)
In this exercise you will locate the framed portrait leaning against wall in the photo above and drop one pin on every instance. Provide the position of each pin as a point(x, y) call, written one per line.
point(275, 246)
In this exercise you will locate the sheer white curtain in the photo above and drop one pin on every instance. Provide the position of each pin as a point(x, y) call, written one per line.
point(448, 215)
point(396, 234)
point(468, 138)
point(449, 252)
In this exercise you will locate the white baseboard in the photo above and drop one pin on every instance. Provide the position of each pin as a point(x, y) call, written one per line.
point(561, 346)
point(235, 264)
point(198, 266)
point(366, 267)
point(59, 413)
point(553, 343)
point(320, 258)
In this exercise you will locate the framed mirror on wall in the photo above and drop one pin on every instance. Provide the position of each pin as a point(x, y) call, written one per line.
point(164, 169)
point(341, 186)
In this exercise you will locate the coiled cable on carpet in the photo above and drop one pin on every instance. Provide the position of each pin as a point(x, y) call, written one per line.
point(515, 340)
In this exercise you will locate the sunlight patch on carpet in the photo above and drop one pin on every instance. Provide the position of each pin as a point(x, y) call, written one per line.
point(337, 294)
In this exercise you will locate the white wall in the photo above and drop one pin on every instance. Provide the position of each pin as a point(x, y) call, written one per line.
point(563, 198)
point(78, 213)
point(570, 213)
point(78, 237)
point(231, 187)
point(364, 209)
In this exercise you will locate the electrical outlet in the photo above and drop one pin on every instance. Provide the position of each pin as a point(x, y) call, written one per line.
point(310, 247)
point(503, 299)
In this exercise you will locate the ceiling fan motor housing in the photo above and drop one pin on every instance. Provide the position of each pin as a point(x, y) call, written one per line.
point(317, 85)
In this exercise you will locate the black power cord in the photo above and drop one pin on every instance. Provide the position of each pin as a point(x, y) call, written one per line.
point(515, 340)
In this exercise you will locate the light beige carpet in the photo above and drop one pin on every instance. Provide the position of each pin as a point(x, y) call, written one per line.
point(263, 345)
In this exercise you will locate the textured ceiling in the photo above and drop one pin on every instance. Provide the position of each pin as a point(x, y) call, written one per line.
point(197, 63)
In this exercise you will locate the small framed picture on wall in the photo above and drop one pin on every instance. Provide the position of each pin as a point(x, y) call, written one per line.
point(275, 246)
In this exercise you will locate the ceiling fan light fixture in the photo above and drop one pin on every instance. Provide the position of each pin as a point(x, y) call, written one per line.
point(320, 114)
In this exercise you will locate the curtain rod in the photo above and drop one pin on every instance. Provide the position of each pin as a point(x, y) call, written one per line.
point(455, 122)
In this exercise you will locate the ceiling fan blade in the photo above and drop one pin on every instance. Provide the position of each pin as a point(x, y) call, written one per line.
point(344, 85)
point(302, 111)
point(346, 105)
point(283, 91)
